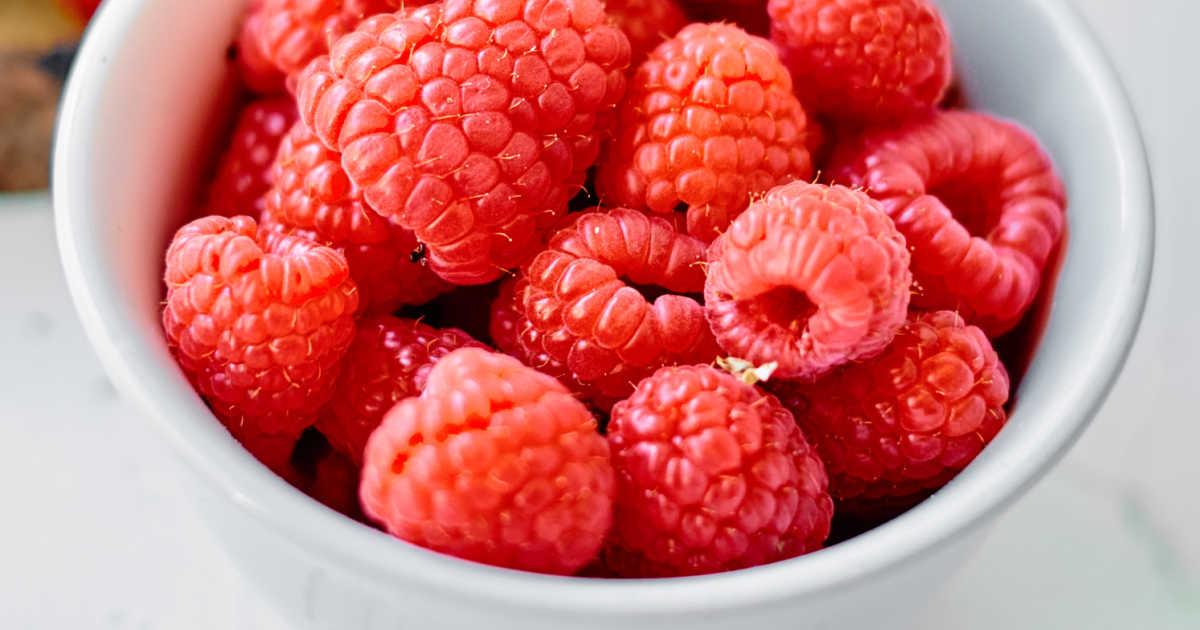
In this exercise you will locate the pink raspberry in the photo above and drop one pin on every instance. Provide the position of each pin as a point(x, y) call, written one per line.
point(896, 427)
point(243, 173)
point(979, 203)
point(647, 23)
point(389, 361)
point(471, 123)
point(589, 300)
point(494, 462)
point(710, 120)
point(280, 37)
point(712, 475)
point(808, 278)
point(313, 197)
point(866, 60)
point(258, 321)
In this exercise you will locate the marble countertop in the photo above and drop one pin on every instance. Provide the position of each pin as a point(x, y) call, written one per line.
point(96, 537)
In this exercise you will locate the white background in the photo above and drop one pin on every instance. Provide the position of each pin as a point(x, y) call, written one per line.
point(95, 537)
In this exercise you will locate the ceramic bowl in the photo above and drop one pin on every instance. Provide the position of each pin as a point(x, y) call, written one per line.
point(148, 98)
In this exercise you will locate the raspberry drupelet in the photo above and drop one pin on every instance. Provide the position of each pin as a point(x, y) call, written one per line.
point(312, 196)
point(979, 203)
point(389, 361)
point(871, 61)
point(709, 121)
point(243, 173)
point(471, 123)
point(258, 321)
point(895, 427)
point(280, 37)
point(584, 302)
point(495, 462)
point(712, 475)
point(808, 278)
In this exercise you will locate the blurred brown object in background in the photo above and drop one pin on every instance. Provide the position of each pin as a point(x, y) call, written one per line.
point(28, 100)
point(36, 25)
point(31, 31)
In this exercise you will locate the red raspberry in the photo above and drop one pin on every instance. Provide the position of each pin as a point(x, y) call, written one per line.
point(259, 322)
point(515, 336)
point(979, 203)
point(335, 484)
point(905, 422)
point(494, 462)
point(312, 196)
point(809, 277)
point(710, 120)
point(243, 174)
point(280, 37)
point(273, 450)
point(712, 475)
point(750, 15)
point(582, 300)
point(867, 60)
point(647, 23)
point(471, 123)
point(389, 361)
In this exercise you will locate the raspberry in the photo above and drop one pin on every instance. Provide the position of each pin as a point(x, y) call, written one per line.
point(647, 23)
point(273, 450)
point(808, 278)
point(582, 302)
point(710, 120)
point(494, 462)
point(335, 484)
point(312, 196)
point(280, 37)
point(389, 361)
point(750, 15)
point(712, 475)
point(515, 336)
point(905, 422)
point(258, 321)
point(979, 203)
point(866, 60)
point(471, 123)
point(242, 179)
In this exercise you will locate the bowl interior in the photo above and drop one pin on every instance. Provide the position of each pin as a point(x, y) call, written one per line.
point(147, 100)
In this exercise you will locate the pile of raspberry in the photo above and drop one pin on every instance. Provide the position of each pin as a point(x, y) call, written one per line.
point(591, 289)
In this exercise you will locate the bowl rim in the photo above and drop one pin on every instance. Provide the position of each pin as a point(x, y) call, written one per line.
point(948, 516)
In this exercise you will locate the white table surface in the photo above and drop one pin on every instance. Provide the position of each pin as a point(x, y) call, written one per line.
point(95, 537)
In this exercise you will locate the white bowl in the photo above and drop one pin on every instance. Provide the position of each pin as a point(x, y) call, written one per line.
point(145, 100)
